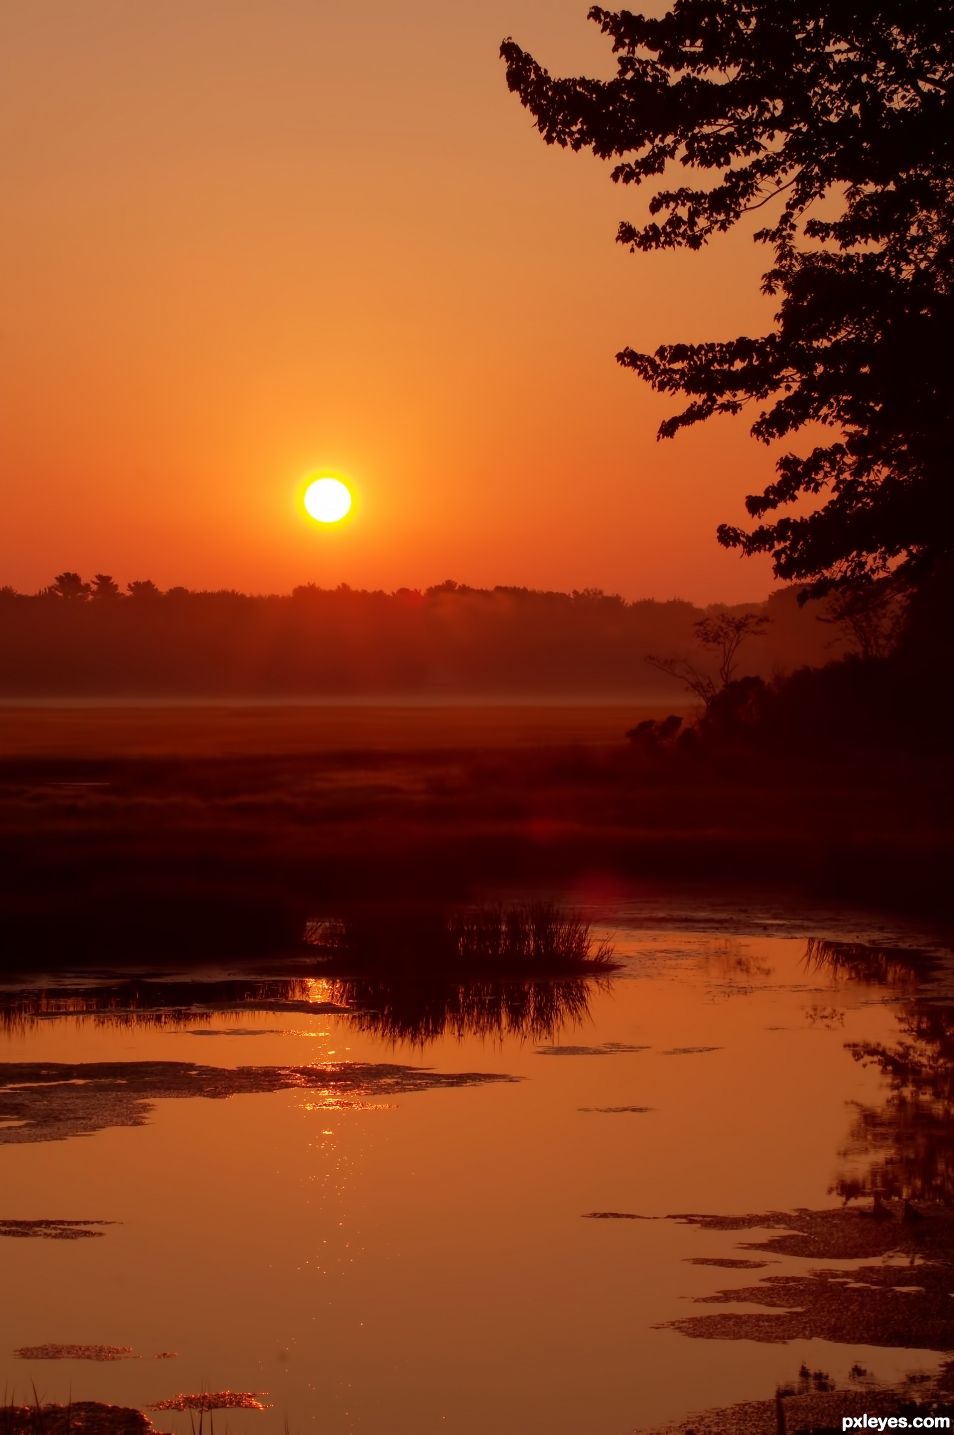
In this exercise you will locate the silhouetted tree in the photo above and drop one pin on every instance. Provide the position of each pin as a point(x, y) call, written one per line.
point(721, 635)
point(69, 586)
point(104, 586)
point(842, 114)
point(872, 614)
point(143, 588)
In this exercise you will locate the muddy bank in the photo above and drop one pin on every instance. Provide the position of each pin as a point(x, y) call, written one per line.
point(52, 1101)
point(62, 1230)
point(80, 1417)
point(810, 1412)
point(873, 1305)
point(905, 1303)
point(843, 1233)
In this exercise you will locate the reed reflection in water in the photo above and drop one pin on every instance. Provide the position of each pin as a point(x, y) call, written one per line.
point(413, 972)
point(881, 966)
point(141, 1003)
point(414, 1012)
point(405, 1008)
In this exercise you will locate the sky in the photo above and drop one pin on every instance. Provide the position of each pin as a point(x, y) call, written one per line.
point(250, 240)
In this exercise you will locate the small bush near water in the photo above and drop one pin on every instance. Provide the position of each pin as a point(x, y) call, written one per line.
point(533, 938)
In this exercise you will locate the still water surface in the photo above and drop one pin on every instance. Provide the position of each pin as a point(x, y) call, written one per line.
point(396, 1256)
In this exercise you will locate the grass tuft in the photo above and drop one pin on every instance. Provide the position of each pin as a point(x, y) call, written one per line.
point(528, 939)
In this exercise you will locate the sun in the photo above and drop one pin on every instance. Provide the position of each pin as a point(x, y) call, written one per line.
point(328, 500)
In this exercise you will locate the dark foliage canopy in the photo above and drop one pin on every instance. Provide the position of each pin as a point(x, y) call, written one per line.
point(836, 117)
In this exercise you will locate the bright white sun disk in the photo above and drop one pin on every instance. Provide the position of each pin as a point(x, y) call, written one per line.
point(327, 500)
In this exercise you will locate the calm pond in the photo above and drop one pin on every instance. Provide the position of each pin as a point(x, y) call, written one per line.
point(418, 1217)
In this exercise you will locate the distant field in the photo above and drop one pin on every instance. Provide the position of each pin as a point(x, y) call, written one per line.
point(197, 731)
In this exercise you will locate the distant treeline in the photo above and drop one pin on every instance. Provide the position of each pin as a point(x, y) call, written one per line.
point(79, 638)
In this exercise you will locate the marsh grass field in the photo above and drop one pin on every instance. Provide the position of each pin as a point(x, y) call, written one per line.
point(126, 729)
point(196, 829)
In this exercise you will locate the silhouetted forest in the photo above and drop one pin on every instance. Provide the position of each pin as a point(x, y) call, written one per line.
point(92, 639)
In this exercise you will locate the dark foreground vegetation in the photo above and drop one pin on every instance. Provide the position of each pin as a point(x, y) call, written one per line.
point(163, 858)
point(887, 701)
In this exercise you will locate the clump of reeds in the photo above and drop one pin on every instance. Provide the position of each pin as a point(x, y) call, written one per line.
point(536, 934)
point(529, 939)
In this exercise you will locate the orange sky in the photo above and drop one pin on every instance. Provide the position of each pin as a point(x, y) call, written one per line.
point(246, 239)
